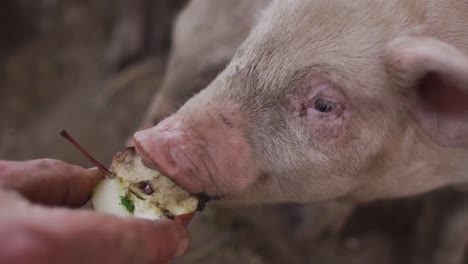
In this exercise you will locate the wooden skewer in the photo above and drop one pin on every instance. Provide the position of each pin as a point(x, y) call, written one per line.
point(101, 167)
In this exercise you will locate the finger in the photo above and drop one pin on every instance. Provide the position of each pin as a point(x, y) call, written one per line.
point(87, 237)
point(48, 181)
point(11, 200)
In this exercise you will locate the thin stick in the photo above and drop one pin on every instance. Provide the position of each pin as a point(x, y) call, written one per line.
point(101, 167)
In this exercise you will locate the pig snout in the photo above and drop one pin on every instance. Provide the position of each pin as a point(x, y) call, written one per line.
point(201, 150)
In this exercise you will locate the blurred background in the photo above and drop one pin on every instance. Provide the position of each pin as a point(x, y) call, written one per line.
point(75, 64)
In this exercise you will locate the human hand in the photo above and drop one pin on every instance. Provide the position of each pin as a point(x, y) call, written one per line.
point(36, 228)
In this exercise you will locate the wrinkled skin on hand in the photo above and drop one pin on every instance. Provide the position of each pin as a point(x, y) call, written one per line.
point(35, 226)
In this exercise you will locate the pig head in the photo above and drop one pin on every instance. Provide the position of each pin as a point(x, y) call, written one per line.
point(335, 99)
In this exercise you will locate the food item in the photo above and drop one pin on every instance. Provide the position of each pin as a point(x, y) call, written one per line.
point(132, 189)
point(143, 192)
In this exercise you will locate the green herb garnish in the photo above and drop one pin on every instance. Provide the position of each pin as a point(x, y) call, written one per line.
point(127, 204)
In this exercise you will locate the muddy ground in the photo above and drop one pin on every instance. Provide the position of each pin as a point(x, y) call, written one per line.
point(53, 74)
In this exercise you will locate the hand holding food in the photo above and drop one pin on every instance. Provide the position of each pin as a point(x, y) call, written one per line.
point(35, 226)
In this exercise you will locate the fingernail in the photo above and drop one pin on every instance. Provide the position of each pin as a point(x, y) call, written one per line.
point(96, 171)
point(182, 247)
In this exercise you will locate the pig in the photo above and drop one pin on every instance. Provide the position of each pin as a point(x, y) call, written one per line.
point(325, 100)
point(206, 35)
point(355, 100)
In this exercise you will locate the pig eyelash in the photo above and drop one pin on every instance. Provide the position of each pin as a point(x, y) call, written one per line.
point(321, 105)
point(324, 106)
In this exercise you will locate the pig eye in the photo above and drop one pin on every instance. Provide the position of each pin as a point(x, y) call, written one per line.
point(324, 106)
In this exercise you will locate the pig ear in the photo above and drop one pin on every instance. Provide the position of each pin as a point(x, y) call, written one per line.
point(439, 74)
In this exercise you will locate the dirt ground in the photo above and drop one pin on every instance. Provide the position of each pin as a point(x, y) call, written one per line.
point(53, 75)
